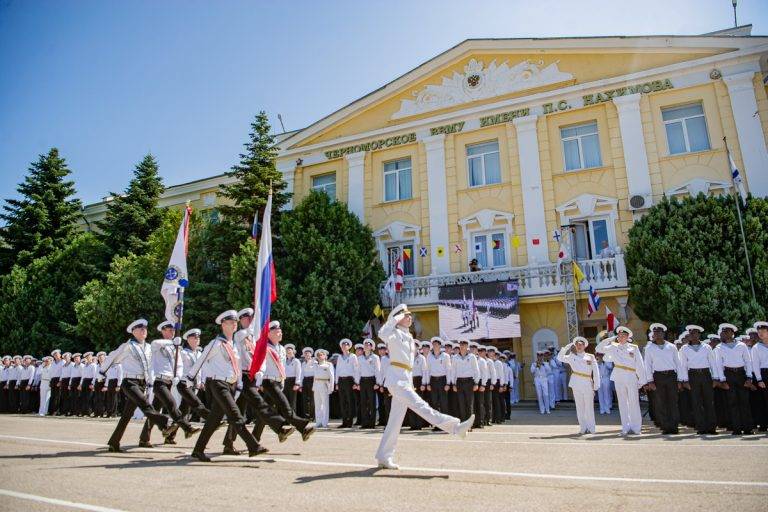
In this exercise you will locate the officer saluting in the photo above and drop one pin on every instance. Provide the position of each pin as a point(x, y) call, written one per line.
point(136, 358)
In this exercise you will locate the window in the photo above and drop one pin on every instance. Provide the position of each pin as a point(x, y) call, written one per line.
point(686, 129)
point(483, 164)
point(397, 180)
point(544, 339)
point(209, 198)
point(581, 147)
point(490, 250)
point(212, 215)
point(588, 238)
point(394, 252)
point(325, 183)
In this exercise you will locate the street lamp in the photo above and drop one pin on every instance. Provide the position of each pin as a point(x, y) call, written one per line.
point(735, 23)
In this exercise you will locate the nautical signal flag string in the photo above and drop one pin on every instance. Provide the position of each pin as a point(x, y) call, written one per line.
point(593, 299)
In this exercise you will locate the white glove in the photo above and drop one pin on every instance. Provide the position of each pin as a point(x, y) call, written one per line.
point(176, 381)
point(177, 341)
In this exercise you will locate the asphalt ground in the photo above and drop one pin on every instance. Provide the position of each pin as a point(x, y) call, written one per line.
point(533, 462)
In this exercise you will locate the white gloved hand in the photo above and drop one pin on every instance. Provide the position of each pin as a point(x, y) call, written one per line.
point(177, 341)
point(176, 381)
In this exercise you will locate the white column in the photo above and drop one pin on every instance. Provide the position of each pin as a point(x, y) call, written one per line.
point(633, 142)
point(355, 200)
point(533, 195)
point(288, 170)
point(438, 203)
point(741, 89)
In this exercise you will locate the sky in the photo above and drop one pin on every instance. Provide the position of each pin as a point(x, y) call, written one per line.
point(107, 82)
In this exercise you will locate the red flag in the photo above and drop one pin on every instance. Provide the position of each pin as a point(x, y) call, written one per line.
point(399, 275)
point(610, 319)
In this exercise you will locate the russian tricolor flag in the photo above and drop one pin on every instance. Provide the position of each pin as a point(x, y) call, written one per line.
point(265, 292)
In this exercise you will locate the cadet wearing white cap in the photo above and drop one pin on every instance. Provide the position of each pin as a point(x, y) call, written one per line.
point(99, 386)
point(4, 373)
point(63, 394)
point(419, 382)
point(760, 370)
point(56, 365)
point(698, 371)
point(88, 384)
point(292, 375)
point(370, 370)
point(466, 378)
point(75, 376)
point(628, 377)
point(585, 380)
point(322, 387)
point(478, 405)
point(45, 389)
point(347, 380)
point(735, 368)
point(136, 357)
point(308, 375)
point(438, 367)
point(540, 370)
point(384, 398)
point(187, 388)
point(399, 380)
point(662, 368)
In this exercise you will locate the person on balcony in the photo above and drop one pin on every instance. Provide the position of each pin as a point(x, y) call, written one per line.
point(606, 251)
point(474, 266)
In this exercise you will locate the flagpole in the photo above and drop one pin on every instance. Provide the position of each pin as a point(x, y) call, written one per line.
point(741, 223)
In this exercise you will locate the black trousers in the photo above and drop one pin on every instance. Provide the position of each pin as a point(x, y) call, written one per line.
point(762, 395)
point(289, 392)
point(346, 400)
point(63, 397)
point(665, 401)
point(53, 403)
point(164, 398)
point(308, 397)
point(111, 398)
point(133, 391)
point(465, 396)
point(738, 400)
point(367, 402)
point(497, 411)
point(273, 393)
point(438, 396)
point(190, 401)
point(265, 414)
point(73, 406)
point(384, 403)
point(3, 397)
point(479, 407)
point(99, 397)
point(488, 408)
point(24, 397)
point(702, 400)
point(85, 398)
point(411, 418)
point(223, 404)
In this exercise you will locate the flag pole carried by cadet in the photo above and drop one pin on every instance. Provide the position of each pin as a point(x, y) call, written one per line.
point(175, 282)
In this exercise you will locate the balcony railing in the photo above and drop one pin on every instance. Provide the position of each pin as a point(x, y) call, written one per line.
point(535, 280)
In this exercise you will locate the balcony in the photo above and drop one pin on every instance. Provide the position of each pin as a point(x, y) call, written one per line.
point(535, 281)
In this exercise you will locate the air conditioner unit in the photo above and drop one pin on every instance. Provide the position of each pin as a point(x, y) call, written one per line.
point(640, 202)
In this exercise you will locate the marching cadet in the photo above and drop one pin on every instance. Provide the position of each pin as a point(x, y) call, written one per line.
point(605, 393)
point(419, 382)
point(292, 375)
point(114, 378)
point(662, 367)
point(395, 333)
point(540, 370)
point(698, 373)
point(735, 369)
point(26, 375)
point(384, 398)
point(66, 369)
point(100, 387)
point(308, 374)
point(370, 370)
point(273, 380)
point(187, 389)
point(4, 373)
point(75, 376)
point(167, 367)
point(585, 380)
point(45, 385)
point(466, 379)
point(347, 380)
point(55, 372)
point(438, 367)
point(322, 387)
point(86, 386)
point(136, 357)
point(249, 394)
point(760, 370)
point(628, 377)
point(223, 372)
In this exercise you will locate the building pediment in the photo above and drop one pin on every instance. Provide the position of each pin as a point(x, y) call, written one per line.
point(697, 186)
point(586, 205)
point(398, 231)
point(486, 219)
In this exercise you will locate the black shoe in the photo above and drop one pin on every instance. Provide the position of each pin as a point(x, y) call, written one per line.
point(259, 451)
point(191, 431)
point(169, 440)
point(711, 432)
point(435, 429)
point(415, 428)
point(748, 432)
point(285, 432)
point(170, 430)
point(342, 426)
point(201, 457)
point(222, 424)
point(145, 444)
point(308, 431)
point(112, 448)
point(229, 450)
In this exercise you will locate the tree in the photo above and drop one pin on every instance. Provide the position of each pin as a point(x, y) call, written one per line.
point(45, 216)
point(254, 174)
point(685, 262)
point(328, 273)
point(133, 216)
point(37, 301)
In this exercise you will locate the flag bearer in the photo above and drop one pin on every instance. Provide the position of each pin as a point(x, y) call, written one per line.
point(585, 380)
point(662, 366)
point(698, 371)
point(735, 368)
point(541, 370)
point(370, 370)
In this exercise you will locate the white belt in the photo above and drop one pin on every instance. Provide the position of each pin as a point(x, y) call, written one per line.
point(139, 377)
point(227, 379)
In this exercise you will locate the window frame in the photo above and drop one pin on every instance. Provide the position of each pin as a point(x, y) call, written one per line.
point(401, 244)
point(578, 139)
point(482, 156)
point(682, 121)
point(322, 188)
point(396, 172)
point(589, 221)
point(488, 233)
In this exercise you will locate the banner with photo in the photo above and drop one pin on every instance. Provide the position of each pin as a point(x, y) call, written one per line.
point(479, 310)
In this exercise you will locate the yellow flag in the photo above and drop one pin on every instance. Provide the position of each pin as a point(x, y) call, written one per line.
point(377, 311)
point(515, 241)
point(577, 273)
point(407, 253)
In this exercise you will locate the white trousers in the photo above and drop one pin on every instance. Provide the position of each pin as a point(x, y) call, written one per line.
point(585, 409)
point(542, 395)
point(563, 379)
point(628, 397)
point(403, 398)
point(322, 408)
point(45, 396)
point(605, 395)
point(551, 393)
point(516, 391)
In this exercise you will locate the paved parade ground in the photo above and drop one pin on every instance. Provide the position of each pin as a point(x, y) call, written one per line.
point(530, 463)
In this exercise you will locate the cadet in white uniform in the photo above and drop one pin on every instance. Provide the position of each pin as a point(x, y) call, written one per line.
point(541, 370)
point(56, 366)
point(735, 368)
point(436, 378)
point(419, 383)
point(698, 371)
point(399, 380)
point(585, 380)
point(322, 387)
point(605, 393)
point(466, 379)
point(45, 389)
point(292, 375)
point(760, 370)
point(347, 381)
point(662, 368)
point(308, 375)
point(187, 388)
point(628, 376)
point(370, 370)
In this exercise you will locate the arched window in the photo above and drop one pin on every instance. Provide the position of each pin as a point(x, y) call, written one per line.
point(543, 339)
